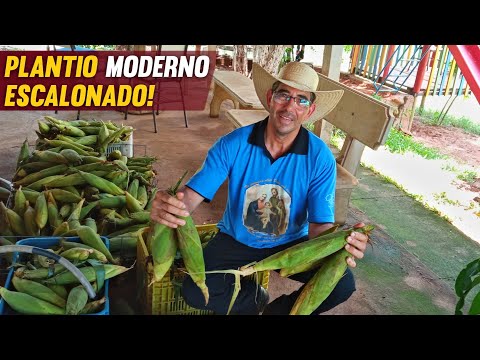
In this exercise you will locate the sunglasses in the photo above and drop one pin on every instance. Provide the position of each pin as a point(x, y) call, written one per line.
point(284, 98)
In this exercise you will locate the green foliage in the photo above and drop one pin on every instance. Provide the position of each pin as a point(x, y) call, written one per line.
point(347, 48)
point(309, 126)
point(397, 142)
point(449, 167)
point(337, 138)
point(287, 57)
point(432, 117)
point(99, 47)
point(442, 198)
point(466, 280)
point(468, 176)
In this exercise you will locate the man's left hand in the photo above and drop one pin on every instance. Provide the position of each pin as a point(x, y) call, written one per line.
point(357, 243)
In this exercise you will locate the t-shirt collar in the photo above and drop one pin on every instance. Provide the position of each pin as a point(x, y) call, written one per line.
point(299, 146)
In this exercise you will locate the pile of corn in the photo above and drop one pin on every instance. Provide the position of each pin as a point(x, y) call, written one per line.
point(68, 182)
point(325, 252)
point(69, 186)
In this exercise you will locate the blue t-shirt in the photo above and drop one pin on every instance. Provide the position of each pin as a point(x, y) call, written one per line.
point(270, 202)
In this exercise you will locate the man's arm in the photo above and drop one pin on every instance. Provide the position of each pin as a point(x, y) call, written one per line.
point(166, 208)
point(315, 229)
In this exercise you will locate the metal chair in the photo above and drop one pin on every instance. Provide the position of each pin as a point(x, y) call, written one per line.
point(67, 48)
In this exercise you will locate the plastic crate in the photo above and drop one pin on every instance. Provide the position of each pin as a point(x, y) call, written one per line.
point(125, 147)
point(163, 297)
point(45, 243)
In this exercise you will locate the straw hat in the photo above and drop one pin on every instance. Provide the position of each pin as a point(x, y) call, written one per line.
point(300, 76)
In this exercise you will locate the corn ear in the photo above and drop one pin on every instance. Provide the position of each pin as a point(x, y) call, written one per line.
point(321, 284)
point(28, 304)
point(59, 290)
point(76, 254)
point(305, 252)
point(101, 183)
point(31, 227)
point(38, 290)
point(41, 211)
point(66, 278)
point(76, 300)
point(16, 221)
point(301, 253)
point(20, 201)
point(289, 271)
point(40, 273)
point(24, 153)
point(162, 245)
point(91, 238)
point(188, 242)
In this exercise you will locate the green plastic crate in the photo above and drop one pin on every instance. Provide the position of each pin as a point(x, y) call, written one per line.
point(163, 297)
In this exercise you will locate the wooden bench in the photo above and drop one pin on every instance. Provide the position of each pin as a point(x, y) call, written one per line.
point(365, 120)
point(233, 86)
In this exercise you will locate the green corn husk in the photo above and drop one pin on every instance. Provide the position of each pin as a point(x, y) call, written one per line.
point(163, 247)
point(190, 246)
point(321, 284)
point(162, 243)
point(292, 270)
point(305, 252)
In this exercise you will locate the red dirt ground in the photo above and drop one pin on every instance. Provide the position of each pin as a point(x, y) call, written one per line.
point(451, 141)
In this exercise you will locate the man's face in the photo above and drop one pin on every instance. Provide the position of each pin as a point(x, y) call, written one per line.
point(287, 117)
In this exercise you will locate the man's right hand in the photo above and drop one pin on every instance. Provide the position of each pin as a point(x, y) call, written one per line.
point(166, 208)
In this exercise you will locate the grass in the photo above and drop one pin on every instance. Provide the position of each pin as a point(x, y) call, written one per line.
point(468, 176)
point(396, 142)
point(432, 117)
point(399, 143)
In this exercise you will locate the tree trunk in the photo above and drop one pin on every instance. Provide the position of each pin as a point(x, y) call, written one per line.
point(240, 61)
point(268, 56)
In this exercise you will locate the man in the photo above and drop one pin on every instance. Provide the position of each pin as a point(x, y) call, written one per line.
point(276, 152)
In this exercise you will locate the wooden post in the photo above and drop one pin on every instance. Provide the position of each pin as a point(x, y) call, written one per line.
point(332, 60)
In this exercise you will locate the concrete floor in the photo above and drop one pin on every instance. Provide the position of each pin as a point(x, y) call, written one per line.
point(410, 269)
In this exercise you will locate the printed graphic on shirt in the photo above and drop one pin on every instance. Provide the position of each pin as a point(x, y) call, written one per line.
point(266, 209)
point(330, 198)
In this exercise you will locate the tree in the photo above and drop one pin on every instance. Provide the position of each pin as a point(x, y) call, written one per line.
point(240, 62)
point(267, 56)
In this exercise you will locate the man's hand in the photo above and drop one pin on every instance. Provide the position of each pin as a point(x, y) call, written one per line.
point(165, 208)
point(357, 243)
